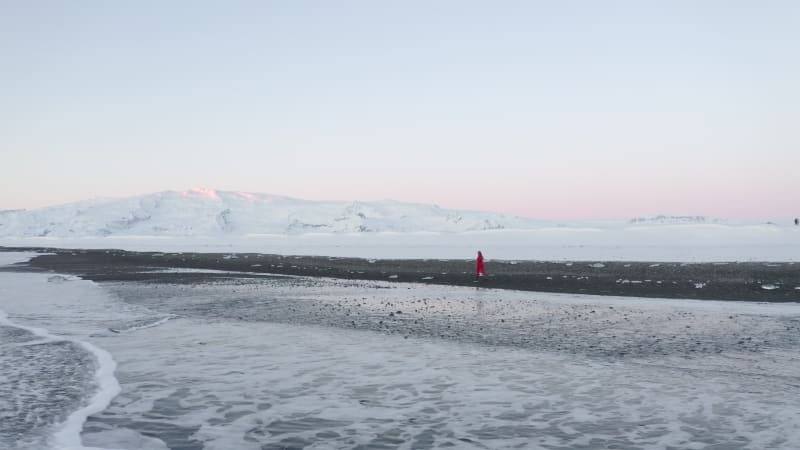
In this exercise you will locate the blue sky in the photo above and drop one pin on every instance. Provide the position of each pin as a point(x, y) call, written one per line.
point(544, 109)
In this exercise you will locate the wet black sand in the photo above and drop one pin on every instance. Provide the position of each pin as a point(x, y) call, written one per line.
point(747, 281)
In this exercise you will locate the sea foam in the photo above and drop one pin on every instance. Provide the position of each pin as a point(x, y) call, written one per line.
point(67, 433)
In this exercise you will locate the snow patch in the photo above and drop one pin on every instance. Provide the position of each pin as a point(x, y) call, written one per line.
point(664, 219)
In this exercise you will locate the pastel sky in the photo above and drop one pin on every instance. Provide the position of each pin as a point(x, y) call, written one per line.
point(547, 109)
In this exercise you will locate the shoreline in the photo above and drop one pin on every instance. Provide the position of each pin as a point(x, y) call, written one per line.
point(66, 433)
point(661, 244)
point(742, 281)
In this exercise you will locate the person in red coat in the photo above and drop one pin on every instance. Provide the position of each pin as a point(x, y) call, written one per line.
point(480, 270)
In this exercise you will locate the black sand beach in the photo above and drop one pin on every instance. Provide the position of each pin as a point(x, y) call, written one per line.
point(746, 281)
point(237, 348)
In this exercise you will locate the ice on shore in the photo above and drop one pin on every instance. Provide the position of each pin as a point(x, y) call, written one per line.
point(232, 222)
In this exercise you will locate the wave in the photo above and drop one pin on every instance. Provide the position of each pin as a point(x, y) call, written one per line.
point(142, 324)
point(67, 434)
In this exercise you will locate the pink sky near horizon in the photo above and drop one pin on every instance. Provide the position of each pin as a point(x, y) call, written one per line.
point(574, 201)
point(551, 110)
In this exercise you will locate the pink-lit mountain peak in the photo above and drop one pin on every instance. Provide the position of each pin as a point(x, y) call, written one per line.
point(203, 193)
point(206, 193)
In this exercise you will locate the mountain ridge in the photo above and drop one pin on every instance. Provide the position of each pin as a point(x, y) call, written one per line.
point(209, 212)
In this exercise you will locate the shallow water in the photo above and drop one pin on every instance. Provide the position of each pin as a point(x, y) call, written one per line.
point(41, 382)
point(283, 362)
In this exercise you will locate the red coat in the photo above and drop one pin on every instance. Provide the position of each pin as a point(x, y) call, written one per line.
point(479, 267)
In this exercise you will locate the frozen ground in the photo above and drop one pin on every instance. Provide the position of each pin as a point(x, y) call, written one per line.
point(659, 243)
point(291, 362)
point(206, 220)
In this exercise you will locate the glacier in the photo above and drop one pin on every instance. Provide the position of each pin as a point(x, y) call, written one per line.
point(207, 220)
point(207, 212)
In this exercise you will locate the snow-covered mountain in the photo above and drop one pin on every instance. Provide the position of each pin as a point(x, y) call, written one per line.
point(204, 220)
point(206, 212)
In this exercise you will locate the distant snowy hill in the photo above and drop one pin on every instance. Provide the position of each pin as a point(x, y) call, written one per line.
point(205, 212)
point(206, 220)
point(674, 220)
